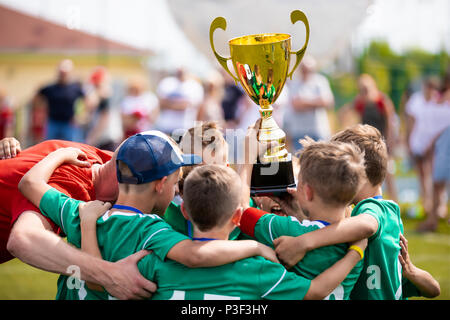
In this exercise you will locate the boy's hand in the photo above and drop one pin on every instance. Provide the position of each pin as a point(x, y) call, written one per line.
point(408, 267)
point(9, 148)
point(90, 211)
point(290, 250)
point(73, 156)
point(268, 253)
point(289, 204)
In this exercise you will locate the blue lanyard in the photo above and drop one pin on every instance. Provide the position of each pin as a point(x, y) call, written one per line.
point(378, 197)
point(119, 206)
point(324, 222)
point(189, 225)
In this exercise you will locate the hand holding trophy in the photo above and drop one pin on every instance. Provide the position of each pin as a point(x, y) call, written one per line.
point(261, 63)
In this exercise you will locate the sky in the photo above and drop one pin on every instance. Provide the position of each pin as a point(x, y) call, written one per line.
point(150, 24)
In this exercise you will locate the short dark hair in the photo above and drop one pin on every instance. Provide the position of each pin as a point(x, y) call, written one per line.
point(371, 142)
point(211, 195)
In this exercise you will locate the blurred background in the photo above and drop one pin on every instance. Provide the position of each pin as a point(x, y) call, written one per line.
point(140, 65)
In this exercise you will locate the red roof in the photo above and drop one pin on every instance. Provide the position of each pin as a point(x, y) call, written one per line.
point(22, 32)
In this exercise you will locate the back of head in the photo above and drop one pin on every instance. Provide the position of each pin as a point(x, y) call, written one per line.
point(371, 142)
point(211, 196)
point(205, 140)
point(334, 170)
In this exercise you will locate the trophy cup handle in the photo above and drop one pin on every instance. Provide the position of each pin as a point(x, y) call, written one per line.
point(298, 15)
point(221, 23)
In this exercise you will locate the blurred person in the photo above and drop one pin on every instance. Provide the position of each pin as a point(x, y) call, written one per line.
point(179, 98)
point(59, 100)
point(211, 109)
point(424, 122)
point(139, 108)
point(99, 94)
point(375, 108)
point(231, 98)
point(440, 150)
point(6, 115)
point(310, 98)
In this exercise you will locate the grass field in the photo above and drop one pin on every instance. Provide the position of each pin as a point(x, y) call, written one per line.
point(428, 251)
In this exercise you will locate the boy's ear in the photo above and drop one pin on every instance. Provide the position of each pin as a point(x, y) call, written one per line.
point(236, 217)
point(309, 192)
point(183, 211)
point(159, 185)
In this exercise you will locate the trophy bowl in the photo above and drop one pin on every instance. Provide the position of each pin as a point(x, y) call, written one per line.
point(261, 63)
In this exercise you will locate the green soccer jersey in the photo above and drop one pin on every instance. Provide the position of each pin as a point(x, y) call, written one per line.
point(175, 218)
point(270, 226)
point(381, 277)
point(119, 234)
point(248, 279)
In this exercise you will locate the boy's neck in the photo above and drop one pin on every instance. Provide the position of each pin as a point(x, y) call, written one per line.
point(142, 203)
point(218, 234)
point(368, 191)
point(327, 213)
point(104, 178)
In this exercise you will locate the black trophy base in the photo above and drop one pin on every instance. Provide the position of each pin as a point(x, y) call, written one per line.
point(268, 180)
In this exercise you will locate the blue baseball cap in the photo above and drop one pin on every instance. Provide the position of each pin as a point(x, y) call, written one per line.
point(151, 155)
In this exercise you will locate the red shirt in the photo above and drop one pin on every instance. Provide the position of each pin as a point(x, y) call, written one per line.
point(74, 181)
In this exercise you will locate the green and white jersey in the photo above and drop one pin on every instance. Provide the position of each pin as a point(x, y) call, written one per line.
point(381, 277)
point(270, 226)
point(119, 235)
point(248, 279)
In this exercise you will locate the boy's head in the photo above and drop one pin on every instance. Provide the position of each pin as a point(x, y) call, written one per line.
point(149, 163)
point(205, 140)
point(212, 195)
point(330, 173)
point(371, 142)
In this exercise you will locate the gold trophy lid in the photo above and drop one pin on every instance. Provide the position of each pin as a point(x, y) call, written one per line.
point(262, 38)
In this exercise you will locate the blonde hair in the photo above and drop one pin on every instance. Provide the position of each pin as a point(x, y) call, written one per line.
point(371, 142)
point(334, 170)
point(211, 196)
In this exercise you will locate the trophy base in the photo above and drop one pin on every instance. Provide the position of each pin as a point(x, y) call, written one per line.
point(267, 183)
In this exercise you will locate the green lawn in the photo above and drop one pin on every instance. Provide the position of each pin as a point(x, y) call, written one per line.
point(428, 251)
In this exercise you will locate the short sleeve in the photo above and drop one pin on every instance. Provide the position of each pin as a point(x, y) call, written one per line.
point(276, 283)
point(374, 209)
point(160, 237)
point(147, 266)
point(61, 209)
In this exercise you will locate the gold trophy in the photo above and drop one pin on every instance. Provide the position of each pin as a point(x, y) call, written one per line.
point(261, 63)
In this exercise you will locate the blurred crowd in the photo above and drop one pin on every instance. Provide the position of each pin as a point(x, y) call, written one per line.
point(83, 111)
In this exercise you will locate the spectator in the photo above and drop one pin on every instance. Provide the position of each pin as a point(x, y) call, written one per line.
point(375, 108)
point(310, 97)
point(231, 100)
point(99, 116)
point(6, 116)
point(179, 98)
point(139, 109)
point(59, 100)
point(211, 109)
point(423, 124)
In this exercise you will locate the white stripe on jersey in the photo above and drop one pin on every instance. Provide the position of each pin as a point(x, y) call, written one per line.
point(274, 286)
point(148, 239)
point(307, 223)
point(61, 215)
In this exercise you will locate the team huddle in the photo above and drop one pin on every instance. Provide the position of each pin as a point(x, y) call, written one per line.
point(333, 237)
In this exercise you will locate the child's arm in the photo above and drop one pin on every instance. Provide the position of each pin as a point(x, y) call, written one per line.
point(89, 213)
point(218, 252)
point(427, 285)
point(291, 250)
point(33, 184)
point(328, 280)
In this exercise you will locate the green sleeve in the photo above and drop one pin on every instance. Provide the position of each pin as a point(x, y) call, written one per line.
point(373, 208)
point(160, 237)
point(276, 283)
point(147, 266)
point(63, 211)
point(271, 226)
